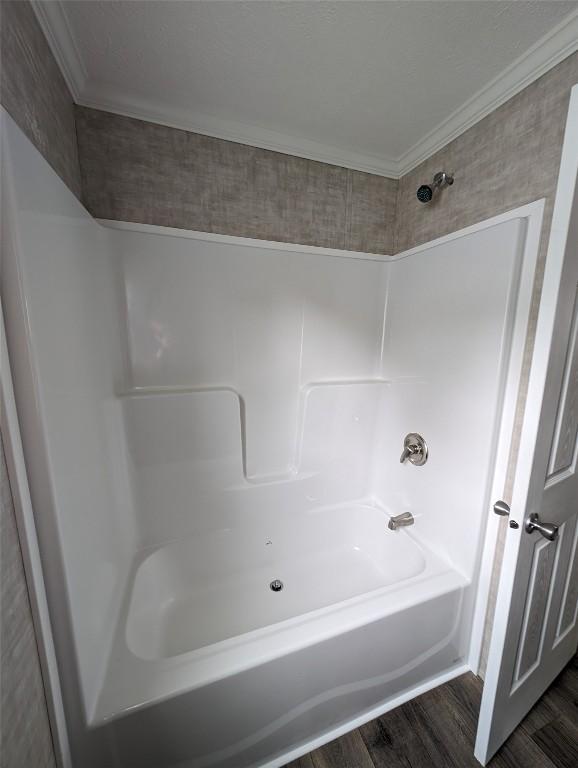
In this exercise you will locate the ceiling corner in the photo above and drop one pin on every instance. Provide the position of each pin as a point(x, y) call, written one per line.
point(54, 23)
point(550, 50)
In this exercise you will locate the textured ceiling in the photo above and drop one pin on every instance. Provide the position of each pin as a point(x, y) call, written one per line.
point(367, 77)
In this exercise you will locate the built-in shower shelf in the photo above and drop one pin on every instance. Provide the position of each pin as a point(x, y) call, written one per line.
point(334, 430)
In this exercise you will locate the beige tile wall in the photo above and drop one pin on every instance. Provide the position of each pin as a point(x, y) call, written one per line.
point(509, 158)
point(33, 90)
point(25, 739)
point(138, 171)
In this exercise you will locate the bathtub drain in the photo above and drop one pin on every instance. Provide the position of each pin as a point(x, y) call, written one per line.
point(276, 585)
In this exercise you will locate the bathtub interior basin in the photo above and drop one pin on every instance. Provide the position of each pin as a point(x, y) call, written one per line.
point(199, 591)
point(200, 610)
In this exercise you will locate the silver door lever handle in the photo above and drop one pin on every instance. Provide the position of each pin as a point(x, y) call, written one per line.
point(548, 530)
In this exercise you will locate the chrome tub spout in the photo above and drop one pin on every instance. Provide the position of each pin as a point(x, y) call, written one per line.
point(399, 521)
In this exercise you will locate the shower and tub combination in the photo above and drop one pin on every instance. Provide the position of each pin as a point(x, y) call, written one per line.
point(261, 473)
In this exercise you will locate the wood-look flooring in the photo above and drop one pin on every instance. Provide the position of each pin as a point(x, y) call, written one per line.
point(437, 730)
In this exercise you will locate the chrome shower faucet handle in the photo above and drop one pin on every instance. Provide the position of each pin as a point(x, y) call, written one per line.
point(414, 449)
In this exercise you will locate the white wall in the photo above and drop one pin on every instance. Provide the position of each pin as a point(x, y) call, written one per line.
point(231, 319)
point(262, 321)
point(448, 328)
point(422, 340)
point(60, 296)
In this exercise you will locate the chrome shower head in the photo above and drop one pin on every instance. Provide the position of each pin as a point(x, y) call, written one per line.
point(426, 192)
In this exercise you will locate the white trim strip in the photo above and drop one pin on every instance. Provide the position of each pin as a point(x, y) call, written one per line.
point(528, 211)
point(504, 428)
point(521, 212)
point(209, 237)
point(31, 555)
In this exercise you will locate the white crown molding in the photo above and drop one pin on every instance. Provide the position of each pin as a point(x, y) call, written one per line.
point(550, 50)
point(241, 133)
point(54, 23)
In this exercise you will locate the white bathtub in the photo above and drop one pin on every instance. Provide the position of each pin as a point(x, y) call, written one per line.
point(201, 630)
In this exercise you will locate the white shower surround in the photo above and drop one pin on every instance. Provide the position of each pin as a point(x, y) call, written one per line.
point(181, 457)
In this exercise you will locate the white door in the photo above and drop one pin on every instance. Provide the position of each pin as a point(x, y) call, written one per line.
point(535, 630)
